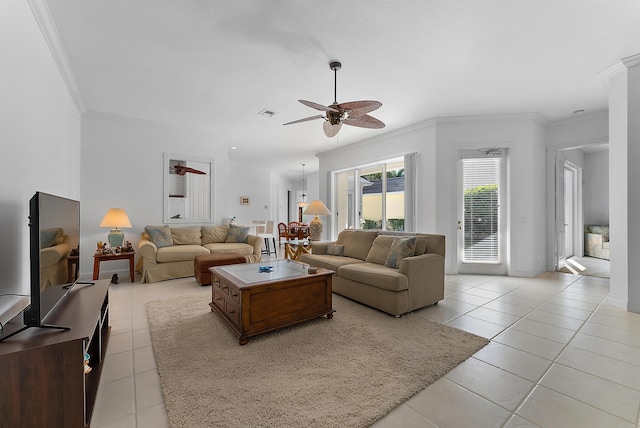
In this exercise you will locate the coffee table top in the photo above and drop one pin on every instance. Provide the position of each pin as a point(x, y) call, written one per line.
point(280, 269)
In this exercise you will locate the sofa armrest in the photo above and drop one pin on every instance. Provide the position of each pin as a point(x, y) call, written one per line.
point(320, 247)
point(425, 275)
point(593, 245)
point(52, 255)
point(257, 242)
point(147, 250)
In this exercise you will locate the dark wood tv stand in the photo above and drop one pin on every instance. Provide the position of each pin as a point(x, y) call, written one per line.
point(42, 370)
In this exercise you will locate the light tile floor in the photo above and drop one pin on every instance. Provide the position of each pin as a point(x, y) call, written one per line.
point(560, 356)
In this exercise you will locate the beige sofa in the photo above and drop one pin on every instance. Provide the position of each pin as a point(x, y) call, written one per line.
point(361, 274)
point(175, 260)
point(53, 259)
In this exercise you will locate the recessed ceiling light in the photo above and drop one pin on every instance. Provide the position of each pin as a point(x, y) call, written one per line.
point(267, 112)
point(232, 147)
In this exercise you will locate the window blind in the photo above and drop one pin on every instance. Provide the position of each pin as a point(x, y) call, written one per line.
point(481, 179)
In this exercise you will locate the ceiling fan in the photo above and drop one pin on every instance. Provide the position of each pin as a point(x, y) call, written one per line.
point(182, 170)
point(352, 113)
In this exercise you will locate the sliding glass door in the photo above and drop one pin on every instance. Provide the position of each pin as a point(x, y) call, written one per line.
point(371, 197)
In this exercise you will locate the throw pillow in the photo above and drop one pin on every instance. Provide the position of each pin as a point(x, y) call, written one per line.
point(401, 248)
point(214, 234)
point(380, 249)
point(237, 234)
point(335, 250)
point(421, 245)
point(50, 237)
point(186, 235)
point(159, 235)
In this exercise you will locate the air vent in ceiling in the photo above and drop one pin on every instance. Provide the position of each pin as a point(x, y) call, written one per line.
point(267, 112)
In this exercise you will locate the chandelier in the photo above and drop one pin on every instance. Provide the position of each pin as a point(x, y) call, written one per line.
point(302, 201)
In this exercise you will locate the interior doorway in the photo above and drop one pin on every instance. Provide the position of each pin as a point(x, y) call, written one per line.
point(578, 189)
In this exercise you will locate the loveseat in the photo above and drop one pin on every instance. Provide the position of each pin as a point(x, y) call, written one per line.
point(596, 241)
point(392, 271)
point(167, 252)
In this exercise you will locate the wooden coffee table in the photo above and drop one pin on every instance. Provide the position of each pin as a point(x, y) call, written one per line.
point(252, 302)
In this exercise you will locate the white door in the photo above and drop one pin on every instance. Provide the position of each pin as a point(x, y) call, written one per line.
point(481, 221)
point(569, 204)
point(560, 216)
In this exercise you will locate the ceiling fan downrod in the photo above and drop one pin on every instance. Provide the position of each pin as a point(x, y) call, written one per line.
point(335, 66)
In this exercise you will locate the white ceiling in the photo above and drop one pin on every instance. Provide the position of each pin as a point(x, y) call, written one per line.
point(213, 65)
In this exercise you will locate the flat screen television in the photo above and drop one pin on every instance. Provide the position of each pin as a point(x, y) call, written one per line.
point(54, 236)
point(54, 245)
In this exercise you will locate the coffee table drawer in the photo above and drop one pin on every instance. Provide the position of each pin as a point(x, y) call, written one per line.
point(229, 290)
point(227, 307)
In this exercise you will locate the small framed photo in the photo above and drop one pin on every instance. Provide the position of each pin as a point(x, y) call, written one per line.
point(244, 200)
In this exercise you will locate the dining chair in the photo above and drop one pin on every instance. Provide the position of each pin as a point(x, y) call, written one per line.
point(283, 232)
point(269, 237)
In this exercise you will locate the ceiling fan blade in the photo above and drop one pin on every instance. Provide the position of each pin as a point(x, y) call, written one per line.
point(305, 119)
point(331, 130)
point(318, 106)
point(182, 170)
point(358, 108)
point(364, 121)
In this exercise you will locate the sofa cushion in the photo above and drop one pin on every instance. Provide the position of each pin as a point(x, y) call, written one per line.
point(159, 235)
point(401, 248)
point(186, 235)
point(214, 234)
point(357, 243)
point(51, 237)
point(380, 249)
point(375, 275)
point(179, 253)
point(237, 234)
point(327, 262)
point(230, 247)
point(335, 250)
point(421, 245)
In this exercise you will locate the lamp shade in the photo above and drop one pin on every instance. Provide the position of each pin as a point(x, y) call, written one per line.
point(115, 217)
point(316, 208)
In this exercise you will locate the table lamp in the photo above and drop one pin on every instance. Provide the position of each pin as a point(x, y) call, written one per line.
point(115, 218)
point(316, 208)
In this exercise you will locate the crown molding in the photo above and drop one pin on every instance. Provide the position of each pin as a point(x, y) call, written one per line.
point(631, 61)
point(386, 135)
point(622, 65)
point(608, 73)
point(48, 28)
point(536, 118)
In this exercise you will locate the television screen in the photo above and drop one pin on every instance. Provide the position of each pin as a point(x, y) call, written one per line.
point(54, 244)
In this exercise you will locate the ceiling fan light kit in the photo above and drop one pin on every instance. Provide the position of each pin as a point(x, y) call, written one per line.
point(353, 113)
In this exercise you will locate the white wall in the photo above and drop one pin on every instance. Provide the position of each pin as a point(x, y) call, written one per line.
point(523, 136)
point(596, 188)
point(419, 139)
point(39, 136)
point(122, 166)
point(561, 137)
point(436, 143)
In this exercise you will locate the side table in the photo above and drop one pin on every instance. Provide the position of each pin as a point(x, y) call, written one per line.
point(294, 248)
point(72, 262)
point(97, 258)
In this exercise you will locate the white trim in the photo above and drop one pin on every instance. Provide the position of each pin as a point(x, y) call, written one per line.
point(608, 73)
point(536, 117)
point(48, 28)
point(631, 61)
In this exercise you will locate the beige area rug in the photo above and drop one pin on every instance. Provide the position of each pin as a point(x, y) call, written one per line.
point(345, 372)
point(587, 266)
